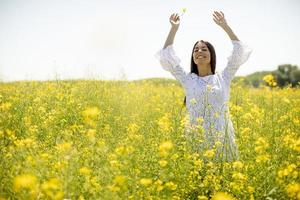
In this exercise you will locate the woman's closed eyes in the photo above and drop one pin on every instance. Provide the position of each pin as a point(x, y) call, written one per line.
point(201, 49)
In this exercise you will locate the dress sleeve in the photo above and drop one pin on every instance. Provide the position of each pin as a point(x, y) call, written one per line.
point(171, 63)
point(239, 56)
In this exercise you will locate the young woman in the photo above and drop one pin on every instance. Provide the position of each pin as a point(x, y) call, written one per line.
point(207, 91)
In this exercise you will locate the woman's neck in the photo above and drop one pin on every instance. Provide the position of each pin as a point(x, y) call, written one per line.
point(204, 70)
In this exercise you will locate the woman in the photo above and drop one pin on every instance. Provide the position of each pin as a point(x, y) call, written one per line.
point(207, 92)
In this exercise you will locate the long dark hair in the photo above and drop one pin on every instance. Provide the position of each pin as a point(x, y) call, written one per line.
point(194, 68)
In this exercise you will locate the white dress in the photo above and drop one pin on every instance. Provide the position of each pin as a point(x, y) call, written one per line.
point(207, 99)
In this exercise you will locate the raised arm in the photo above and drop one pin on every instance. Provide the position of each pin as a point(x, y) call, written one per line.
point(240, 52)
point(175, 22)
point(220, 20)
point(167, 56)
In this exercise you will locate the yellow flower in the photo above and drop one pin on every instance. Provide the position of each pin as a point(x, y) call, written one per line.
point(60, 164)
point(291, 167)
point(202, 197)
point(130, 149)
point(30, 159)
point(210, 164)
point(270, 80)
point(53, 189)
point(239, 176)
point(261, 145)
point(250, 189)
point(95, 183)
point(183, 10)
point(163, 163)
point(26, 181)
point(114, 163)
point(85, 171)
point(64, 147)
point(45, 156)
point(260, 141)
point(164, 123)
point(28, 142)
point(90, 114)
point(91, 133)
point(293, 190)
point(168, 145)
point(120, 150)
point(291, 141)
point(133, 128)
point(237, 187)
point(218, 143)
point(248, 117)
point(222, 196)
point(113, 188)
point(262, 158)
point(289, 170)
point(174, 156)
point(5, 106)
point(171, 185)
point(165, 147)
point(245, 131)
point(120, 180)
point(209, 153)
point(286, 100)
point(146, 181)
point(52, 184)
point(101, 143)
point(238, 165)
point(159, 185)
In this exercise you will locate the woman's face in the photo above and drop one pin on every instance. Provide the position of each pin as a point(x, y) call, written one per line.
point(201, 53)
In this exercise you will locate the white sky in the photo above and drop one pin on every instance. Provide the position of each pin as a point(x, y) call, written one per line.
point(48, 39)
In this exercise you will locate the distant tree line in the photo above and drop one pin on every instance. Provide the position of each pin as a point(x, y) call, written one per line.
point(285, 74)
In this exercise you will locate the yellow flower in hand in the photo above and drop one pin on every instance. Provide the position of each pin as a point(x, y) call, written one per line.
point(183, 10)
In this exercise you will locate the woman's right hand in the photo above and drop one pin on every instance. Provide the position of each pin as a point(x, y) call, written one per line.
point(175, 20)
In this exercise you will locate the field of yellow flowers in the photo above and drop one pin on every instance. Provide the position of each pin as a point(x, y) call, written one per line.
point(91, 139)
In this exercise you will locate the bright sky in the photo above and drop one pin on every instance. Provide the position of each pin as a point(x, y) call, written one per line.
point(48, 39)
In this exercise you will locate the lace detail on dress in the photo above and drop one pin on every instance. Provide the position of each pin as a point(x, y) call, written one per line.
point(239, 56)
point(171, 62)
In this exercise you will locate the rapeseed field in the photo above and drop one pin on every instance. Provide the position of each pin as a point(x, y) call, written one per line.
point(94, 139)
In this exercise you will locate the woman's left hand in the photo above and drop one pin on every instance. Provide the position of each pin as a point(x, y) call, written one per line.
point(219, 18)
